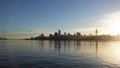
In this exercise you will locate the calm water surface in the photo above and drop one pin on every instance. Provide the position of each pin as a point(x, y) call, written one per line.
point(59, 54)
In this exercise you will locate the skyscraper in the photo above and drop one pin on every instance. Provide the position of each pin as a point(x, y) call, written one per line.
point(59, 32)
point(96, 32)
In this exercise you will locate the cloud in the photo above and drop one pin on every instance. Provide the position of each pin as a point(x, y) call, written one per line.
point(104, 23)
point(87, 30)
point(111, 22)
point(110, 18)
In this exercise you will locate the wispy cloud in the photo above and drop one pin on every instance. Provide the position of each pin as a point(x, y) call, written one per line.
point(111, 22)
point(105, 22)
point(110, 18)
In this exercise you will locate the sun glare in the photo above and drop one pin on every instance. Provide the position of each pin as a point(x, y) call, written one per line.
point(114, 28)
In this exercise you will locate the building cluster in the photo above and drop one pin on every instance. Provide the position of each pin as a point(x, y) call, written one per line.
point(58, 36)
point(77, 36)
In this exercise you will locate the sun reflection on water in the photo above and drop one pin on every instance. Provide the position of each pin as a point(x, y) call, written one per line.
point(111, 53)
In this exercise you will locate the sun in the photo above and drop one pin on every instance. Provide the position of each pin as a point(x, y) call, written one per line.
point(111, 23)
point(114, 28)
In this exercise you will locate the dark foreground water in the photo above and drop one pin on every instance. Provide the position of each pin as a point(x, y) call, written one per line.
point(59, 54)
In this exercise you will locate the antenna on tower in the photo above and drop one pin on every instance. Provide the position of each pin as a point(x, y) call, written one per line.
point(96, 32)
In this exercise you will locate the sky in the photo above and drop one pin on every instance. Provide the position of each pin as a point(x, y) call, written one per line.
point(26, 18)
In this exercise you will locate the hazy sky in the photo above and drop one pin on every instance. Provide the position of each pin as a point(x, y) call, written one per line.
point(25, 18)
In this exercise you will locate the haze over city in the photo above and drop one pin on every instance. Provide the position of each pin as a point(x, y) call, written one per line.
point(59, 33)
point(23, 18)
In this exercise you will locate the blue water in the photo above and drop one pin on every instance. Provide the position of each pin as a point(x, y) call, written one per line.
point(59, 54)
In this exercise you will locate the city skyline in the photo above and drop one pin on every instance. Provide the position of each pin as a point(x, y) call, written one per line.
point(59, 35)
point(23, 19)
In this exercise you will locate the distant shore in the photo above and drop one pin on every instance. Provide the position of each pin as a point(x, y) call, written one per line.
point(76, 36)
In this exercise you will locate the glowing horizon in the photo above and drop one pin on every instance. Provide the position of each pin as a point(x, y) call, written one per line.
point(23, 19)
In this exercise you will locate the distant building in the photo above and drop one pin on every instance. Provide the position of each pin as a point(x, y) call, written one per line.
point(96, 32)
point(42, 35)
point(55, 34)
point(78, 34)
point(68, 34)
point(59, 32)
point(50, 35)
point(65, 34)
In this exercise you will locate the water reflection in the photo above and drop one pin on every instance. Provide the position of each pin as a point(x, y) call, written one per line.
point(96, 45)
point(66, 46)
point(72, 53)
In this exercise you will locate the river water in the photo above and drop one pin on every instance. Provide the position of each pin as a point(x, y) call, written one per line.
point(59, 54)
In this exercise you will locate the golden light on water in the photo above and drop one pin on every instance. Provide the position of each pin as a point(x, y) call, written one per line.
point(115, 50)
point(111, 53)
